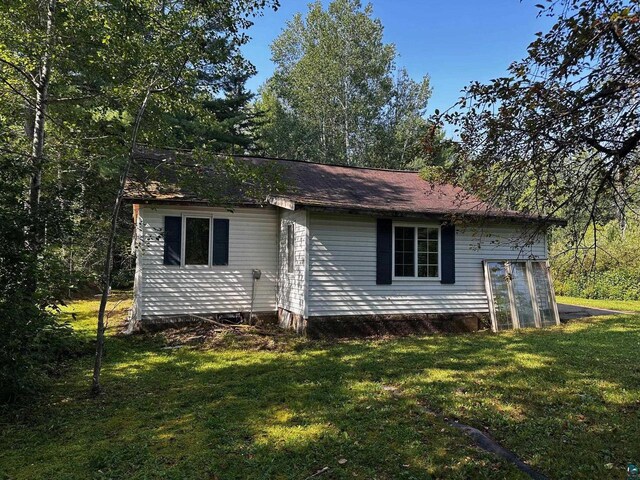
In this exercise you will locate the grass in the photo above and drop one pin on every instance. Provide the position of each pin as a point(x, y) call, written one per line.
point(565, 399)
point(622, 305)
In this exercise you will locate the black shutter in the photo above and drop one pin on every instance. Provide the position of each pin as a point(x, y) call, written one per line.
point(221, 241)
point(448, 253)
point(384, 251)
point(172, 240)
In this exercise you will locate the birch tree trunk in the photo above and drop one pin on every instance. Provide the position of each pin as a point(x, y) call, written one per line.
point(41, 85)
point(96, 388)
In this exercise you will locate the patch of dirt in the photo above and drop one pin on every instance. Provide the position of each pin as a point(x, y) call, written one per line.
point(208, 336)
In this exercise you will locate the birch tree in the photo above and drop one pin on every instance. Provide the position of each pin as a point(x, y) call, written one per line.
point(333, 79)
point(172, 50)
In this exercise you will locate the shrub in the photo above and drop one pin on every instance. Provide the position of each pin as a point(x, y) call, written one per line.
point(609, 272)
point(32, 346)
point(608, 285)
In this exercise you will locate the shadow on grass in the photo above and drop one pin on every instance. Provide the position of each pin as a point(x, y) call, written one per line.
point(564, 399)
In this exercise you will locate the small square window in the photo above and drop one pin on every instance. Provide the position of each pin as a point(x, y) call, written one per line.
point(416, 251)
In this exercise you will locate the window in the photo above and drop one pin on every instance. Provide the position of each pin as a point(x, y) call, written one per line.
point(416, 251)
point(196, 235)
point(520, 294)
point(405, 252)
point(290, 248)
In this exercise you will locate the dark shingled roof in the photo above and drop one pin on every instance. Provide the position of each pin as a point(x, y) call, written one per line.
point(341, 188)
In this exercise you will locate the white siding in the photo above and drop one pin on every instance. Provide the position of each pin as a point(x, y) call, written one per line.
point(292, 285)
point(342, 271)
point(178, 290)
point(136, 247)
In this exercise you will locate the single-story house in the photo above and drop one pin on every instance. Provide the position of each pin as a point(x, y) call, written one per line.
point(340, 250)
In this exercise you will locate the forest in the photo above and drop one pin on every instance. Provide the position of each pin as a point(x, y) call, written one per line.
point(85, 84)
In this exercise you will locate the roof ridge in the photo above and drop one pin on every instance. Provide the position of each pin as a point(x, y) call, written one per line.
point(356, 167)
point(296, 160)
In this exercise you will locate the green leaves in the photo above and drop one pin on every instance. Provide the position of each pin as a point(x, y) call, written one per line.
point(333, 97)
point(559, 135)
point(104, 59)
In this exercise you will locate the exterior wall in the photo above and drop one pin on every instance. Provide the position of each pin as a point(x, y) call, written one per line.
point(167, 290)
point(136, 311)
point(292, 286)
point(342, 270)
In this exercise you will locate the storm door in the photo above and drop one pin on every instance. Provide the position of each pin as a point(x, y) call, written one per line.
point(520, 294)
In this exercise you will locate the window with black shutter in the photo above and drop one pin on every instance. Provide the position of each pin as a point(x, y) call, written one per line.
point(416, 251)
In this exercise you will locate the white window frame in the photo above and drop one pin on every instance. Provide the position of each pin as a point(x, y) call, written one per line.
point(184, 240)
point(415, 227)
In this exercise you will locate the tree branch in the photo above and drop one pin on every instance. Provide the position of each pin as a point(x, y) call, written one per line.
point(26, 75)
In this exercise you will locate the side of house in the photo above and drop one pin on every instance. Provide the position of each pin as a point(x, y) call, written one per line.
point(200, 260)
point(314, 267)
point(342, 274)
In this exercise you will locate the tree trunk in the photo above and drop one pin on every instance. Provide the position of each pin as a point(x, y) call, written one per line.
point(96, 388)
point(36, 229)
point(347, 146)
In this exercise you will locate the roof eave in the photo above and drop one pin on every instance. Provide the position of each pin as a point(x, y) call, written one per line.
point(289, 204)
point(442, 215)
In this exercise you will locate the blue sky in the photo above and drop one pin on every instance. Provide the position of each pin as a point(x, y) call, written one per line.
point(453, 41)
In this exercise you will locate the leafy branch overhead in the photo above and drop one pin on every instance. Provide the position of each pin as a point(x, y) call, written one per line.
point(560, 133)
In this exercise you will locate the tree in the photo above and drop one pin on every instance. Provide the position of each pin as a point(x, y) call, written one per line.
point(43, 80)
point(173, 50)
point(333, 97)
point(403, 126)
point(224, 122)
point(81, 83)
point(559, 135)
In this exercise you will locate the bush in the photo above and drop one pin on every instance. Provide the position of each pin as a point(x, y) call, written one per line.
point(32, 346)
point(608, 271)
point(608, 285)
point(32, 341)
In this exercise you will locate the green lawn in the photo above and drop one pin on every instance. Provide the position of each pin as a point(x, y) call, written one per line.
point(566, 399)
point(622, 305)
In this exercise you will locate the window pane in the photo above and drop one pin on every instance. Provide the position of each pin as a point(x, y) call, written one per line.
point(196, 248)
point(522, 294)
point(543, 294)
point(427, 252)
point(498, 277)
point(405, 252)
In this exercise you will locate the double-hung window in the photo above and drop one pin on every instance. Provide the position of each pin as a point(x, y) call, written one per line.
point(416, 251)
point(196, 240)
